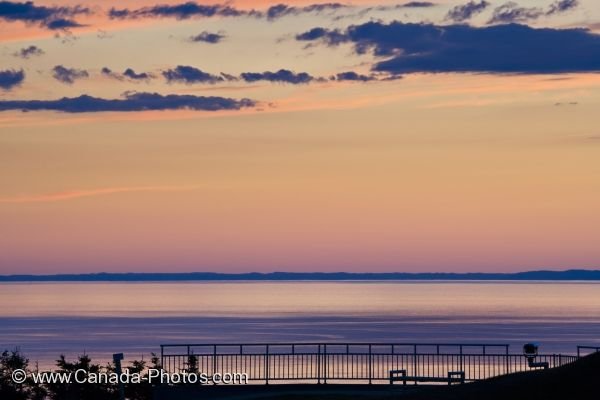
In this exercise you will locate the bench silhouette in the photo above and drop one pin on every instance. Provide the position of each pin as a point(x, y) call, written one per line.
point(400, 375)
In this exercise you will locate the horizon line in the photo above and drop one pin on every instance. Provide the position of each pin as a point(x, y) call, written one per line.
point(569, 274)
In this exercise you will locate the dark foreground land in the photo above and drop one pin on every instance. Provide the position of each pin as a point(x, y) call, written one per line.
point(578, 381)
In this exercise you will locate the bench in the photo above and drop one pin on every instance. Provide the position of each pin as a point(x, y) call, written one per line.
point(400, 375)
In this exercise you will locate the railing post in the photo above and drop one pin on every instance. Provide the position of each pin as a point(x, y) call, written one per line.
point(267, 365)
point(507, 359)
point(214, 363)
point(370, 365)
point(462, 361)
point(162, 356)
point(319, 364)
point(415, 372)
point(326, 363)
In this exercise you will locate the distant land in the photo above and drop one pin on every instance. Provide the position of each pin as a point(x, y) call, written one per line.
point(569, 275)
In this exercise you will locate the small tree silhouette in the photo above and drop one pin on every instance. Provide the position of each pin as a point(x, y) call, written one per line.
point(10, 362)
point(77, 391)
point(192, 364)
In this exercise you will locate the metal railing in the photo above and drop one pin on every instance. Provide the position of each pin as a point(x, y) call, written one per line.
point(349, 362)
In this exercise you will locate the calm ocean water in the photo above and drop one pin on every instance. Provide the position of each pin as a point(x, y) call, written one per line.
point(48, 319)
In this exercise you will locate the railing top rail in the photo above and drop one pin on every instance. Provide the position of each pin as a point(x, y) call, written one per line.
point(589, 347)
point(336, 344)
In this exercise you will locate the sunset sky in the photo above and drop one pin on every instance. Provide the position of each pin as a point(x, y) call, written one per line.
point(371, 136)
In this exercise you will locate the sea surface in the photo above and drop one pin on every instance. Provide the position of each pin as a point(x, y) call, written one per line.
point(45, 320)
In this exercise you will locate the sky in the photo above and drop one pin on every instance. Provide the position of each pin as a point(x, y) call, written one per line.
point(364, 136)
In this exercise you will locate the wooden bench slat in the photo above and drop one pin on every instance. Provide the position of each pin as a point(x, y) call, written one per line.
point(400, 375)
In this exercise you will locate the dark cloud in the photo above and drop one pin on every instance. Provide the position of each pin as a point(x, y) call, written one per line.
point(417, 4)
point(30, 51)
point(313, 34)
point(178, 11)
point(511, 12)
point(561, 6)
point(129, 73)
point(195, 10)
point(49, 17)
point(189, 75)
point(109, 72)
point(283, 76)
point(466, 11)
point(130, 102)
point(282, 10)
point(461, 48)
point(330, 37)
point(353, 76)
point(62, 24)
point(10, 78)
point(68, 75)
point(229, 77)
point(385, 8)
point(208, 37)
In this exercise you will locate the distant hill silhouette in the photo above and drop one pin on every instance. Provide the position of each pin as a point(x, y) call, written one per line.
point(569, 275)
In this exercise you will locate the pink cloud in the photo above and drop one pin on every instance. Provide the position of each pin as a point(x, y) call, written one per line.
point(75, 194)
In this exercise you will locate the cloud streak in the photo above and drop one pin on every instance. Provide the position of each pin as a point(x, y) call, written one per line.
point(208, 37)
point(283, 10)
point(511, 12)
point(130, 103)
point(561, 6)
point(466, 11)
point(68, 75)
point(189, 75)
point(76, 194)
point(430, 48)
point(353, 76)
point(28, 52)
point(282, 76)
point(179, 11)
point(190, 9)
point(53, 18)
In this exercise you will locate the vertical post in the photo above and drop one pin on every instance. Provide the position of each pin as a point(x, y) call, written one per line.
point(318, 364)
point(507, 359)
point(117, 360)
point(267, 366)
point(162, 356)
point(370, 365)
point(325, 363)
point(415, 372)
point(214, 363)
point(462, 361)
